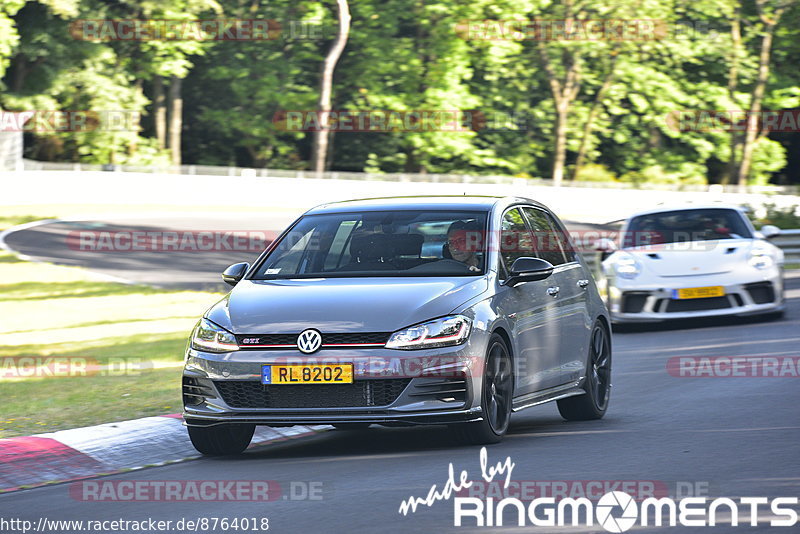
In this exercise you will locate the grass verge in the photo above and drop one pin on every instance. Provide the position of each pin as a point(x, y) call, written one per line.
point(76, 350)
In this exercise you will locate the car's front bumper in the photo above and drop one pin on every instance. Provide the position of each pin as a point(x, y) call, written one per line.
point(392, 387)
point(194, 418)
point(653, 301)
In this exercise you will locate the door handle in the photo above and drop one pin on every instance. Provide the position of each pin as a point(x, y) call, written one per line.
point(583, 284)
point(553, 291)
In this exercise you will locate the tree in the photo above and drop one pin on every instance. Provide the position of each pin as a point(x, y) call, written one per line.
point(175, 107)
point(321, 136)
point(769, 16)
point(160, 111)
point(247, 86)
point(736, 55)
point(564, 86)
point(9, 37)
point(518, 106)
point(588, 124)
point(567, 63)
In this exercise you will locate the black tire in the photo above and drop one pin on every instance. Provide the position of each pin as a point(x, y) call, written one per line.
point(221, 440)
point(496, 395)
point(594, 403)
point(351, 426)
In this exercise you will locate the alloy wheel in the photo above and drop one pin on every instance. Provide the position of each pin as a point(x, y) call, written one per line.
point(498, 388)
point(600, 367)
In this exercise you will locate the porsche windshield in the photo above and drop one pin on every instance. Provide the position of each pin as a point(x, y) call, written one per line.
point(386, 243)
point(681, 226)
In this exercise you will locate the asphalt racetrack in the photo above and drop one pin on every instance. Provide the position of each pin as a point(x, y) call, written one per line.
point(187, 251)
point(733, 436)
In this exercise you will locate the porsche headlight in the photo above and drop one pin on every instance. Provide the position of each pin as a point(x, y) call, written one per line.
point(452, 330)
point(209, 337)
point(627, 267)
point(761, 258)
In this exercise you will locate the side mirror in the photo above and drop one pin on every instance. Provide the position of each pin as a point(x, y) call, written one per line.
point(769, 231)
point(529, 270)
point(234, 273)
point(605, 244)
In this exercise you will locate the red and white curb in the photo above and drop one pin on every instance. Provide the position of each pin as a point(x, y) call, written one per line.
point(69, 455)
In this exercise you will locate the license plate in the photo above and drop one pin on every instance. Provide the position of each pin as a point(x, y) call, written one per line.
point(307, 374)
point(698, 292)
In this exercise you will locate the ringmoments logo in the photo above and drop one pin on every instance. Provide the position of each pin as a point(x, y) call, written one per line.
point(617, 511)
point(614, 511)
point(605, 509)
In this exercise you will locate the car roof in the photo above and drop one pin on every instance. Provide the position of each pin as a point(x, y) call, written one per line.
point(444, 202)
point(686, 207)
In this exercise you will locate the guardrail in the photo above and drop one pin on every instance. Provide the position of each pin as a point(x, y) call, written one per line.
point(209, 170)
point(787, 240)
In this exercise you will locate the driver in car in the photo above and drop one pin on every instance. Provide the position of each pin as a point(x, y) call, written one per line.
point(462, 238)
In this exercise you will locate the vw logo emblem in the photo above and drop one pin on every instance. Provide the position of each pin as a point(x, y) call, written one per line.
point(309, 341)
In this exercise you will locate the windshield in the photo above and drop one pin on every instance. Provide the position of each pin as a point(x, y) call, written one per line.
point(682, 226)
point(386, 243)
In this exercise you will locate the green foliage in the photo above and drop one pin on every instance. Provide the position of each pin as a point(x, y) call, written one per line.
point(9, 36)
point(768, 156)
point(656, 174)
point(787, 217)
point(407, 55)
point(594, 172)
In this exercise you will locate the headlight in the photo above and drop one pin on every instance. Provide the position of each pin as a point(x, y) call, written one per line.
point(443, 332)
point(627, 267)
point(761, 258)
point(212, 338)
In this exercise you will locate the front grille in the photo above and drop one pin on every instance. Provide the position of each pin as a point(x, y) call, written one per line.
point(268, 339)
point(252, 394)
point(446, 390)
point(761, 292)
point(688, 305)
point(355, 338)
point(633, 302)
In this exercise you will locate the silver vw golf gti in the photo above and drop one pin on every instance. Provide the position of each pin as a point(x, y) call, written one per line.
point(401, 311)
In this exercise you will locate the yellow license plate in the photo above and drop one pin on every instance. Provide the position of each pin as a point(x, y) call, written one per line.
point(698, 292)
point(307, 374)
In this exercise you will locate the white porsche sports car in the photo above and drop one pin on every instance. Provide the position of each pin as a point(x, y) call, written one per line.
point(692, 261)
